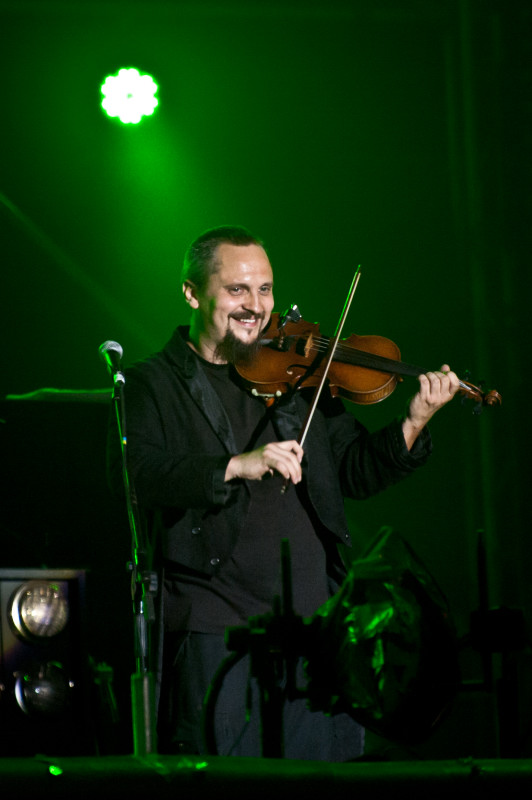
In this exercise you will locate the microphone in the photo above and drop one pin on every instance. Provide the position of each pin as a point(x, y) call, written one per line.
point(111, 354)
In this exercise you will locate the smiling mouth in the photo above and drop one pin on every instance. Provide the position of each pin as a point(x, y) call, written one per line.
point(248, 322)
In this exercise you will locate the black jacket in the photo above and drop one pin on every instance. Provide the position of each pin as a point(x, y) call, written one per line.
point(179, 442)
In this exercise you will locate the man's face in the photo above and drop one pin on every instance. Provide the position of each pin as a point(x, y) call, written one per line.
point(235, 305)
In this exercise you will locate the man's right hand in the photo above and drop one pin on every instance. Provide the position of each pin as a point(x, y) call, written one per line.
point(281, 457)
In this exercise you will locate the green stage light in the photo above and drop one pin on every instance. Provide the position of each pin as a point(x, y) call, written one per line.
point(129, 95)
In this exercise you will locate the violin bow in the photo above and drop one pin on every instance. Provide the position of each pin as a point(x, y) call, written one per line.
point(330, 356)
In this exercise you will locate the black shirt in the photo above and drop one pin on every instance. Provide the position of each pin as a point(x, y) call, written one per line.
point(249, 581)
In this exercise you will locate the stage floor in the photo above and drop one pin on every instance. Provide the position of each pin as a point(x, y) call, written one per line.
point(276, 779)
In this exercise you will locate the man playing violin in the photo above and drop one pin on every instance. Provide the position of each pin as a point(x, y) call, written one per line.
point(208, 460)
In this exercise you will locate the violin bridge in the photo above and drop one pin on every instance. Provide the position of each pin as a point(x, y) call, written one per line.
point(308, 345)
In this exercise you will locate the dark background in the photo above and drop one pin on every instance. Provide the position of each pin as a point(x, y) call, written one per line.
point(392, 134)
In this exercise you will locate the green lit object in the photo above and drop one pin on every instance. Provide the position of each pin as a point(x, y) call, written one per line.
point(129, 95)
point(385, 648)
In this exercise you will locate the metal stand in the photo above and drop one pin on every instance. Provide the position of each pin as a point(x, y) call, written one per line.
point(499, 631)
point(143, 589)
point(274, 642)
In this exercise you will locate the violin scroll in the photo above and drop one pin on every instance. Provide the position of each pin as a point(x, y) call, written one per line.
point(472, 392)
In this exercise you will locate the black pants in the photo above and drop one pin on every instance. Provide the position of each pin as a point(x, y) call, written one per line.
point(239, 728)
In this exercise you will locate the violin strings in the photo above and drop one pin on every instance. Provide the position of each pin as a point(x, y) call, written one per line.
point(365, 359)
point(324, 344)
point(320, 345)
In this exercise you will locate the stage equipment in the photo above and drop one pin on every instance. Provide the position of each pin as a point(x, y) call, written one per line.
point(143, 580)
point(129, 95)
point(383, 650)
point(44, 686)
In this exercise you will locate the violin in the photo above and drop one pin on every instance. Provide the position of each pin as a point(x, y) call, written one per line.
point(363, 369)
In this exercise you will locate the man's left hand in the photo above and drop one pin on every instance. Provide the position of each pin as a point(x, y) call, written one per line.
point(436, 389)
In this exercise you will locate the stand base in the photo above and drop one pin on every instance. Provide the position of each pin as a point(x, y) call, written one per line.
point(144, 715)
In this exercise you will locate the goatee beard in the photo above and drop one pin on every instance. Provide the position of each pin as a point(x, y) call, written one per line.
point(234, 351)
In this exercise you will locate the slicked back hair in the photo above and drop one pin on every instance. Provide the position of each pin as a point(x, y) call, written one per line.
point(200, 258)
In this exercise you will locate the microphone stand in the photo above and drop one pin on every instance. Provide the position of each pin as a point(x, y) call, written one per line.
point(143, 589)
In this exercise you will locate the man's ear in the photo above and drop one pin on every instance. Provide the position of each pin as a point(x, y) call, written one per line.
point(191, 294)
